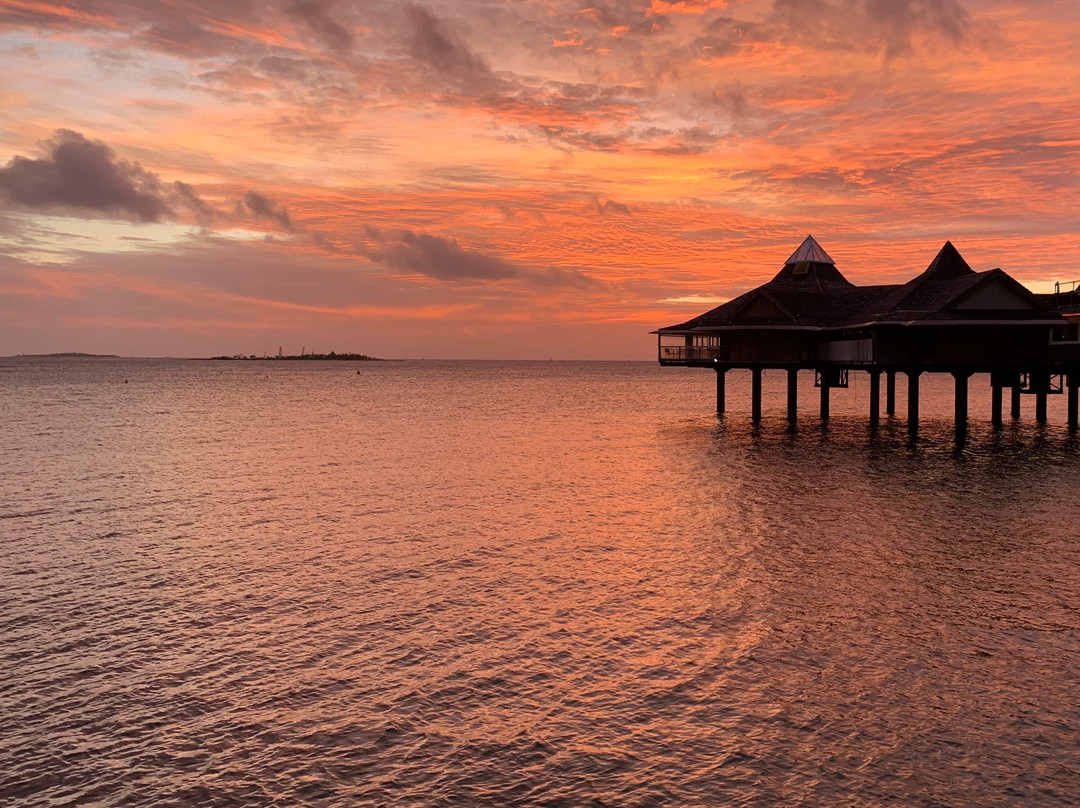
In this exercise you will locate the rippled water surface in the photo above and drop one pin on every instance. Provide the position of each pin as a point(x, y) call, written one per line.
point(524, 584)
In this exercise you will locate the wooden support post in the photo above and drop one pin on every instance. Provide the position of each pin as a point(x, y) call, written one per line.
point(1040, 382)
point(755, 395)
point(995, 402)
point(960, 408)
point(1040, 406)
point(875, 396)
point(1015, 402)
point(890, 392)
point(721, 389)
point(793, 394)
point(824, 397)
point(913, 402)
point(1074, 401)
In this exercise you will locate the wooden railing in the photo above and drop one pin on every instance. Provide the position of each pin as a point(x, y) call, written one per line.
point(689, 353)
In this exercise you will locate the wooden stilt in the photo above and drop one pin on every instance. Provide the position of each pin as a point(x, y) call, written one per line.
point(913, 402)
point(755, 395)
point(875, 396)
point(890, 392)
point(960, 407)
point(1015, 401)
point(824, 398)
point(1074, 401)
point(793, 394)
point(721, 390)
point(1040, 382)
point(995, 403)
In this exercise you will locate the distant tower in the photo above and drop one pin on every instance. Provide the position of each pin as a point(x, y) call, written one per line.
point(279, 352)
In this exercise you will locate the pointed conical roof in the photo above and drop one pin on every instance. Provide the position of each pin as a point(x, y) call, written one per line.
point(811, 252)
point(947, 274)
point(948, 263)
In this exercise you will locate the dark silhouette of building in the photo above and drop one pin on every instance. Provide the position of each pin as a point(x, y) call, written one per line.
point(949, 319)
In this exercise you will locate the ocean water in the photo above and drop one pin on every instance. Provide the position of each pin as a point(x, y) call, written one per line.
point(557, 584)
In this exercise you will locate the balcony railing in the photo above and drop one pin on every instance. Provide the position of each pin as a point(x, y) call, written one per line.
point(689, 353)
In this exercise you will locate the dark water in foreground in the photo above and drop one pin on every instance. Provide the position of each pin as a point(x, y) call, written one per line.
point(524, 584)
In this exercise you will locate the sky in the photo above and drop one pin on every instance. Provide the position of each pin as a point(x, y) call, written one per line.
point(520, 179)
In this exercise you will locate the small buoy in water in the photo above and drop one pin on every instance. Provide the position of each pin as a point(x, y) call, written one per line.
point(125, 381)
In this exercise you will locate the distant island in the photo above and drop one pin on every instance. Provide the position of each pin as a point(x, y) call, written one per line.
point(69, 355)
point(341, 357)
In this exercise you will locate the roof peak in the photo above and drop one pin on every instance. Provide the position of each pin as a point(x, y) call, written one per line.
point(809, 269)
point(948, 263)
point(811, 252)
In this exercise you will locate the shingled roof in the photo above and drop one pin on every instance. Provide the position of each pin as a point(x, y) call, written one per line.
point(947, 276)
point(809, 291)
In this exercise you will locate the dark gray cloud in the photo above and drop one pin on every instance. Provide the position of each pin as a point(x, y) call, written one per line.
point(436, 256)
point(85, 176)
point(697, 139)
point(434, 44)
point(204, 214)
point(610, 206)
point(262, 207)
point(574, 138)
point(181, 36)
point(946, 17)
point(565, 278)
point(874, 24)
point(725, 36)
point(634, 17)
point(689, 140)
point(733, 102)
point(289, 68)
point(445, 259)
point(326, 29)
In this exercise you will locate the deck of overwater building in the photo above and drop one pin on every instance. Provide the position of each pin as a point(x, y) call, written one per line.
point(949, 319)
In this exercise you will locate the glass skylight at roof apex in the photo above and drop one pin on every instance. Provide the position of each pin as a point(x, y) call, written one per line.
point(810, 252)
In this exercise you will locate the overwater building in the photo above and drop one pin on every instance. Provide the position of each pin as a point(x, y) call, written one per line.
point(949, 319)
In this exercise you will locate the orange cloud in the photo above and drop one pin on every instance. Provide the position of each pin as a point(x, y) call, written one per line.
point(686, 6)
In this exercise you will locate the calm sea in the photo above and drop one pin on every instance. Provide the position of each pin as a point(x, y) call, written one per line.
point(558, 584)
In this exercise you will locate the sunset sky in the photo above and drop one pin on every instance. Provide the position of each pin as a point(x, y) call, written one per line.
point(504, 179)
